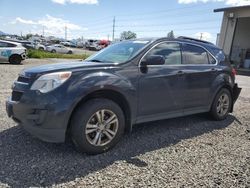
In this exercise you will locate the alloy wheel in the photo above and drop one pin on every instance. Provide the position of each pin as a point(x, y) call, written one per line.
point(102, 127)
point(223, 104)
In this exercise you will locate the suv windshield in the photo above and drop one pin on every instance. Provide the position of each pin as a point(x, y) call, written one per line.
point(118, 53)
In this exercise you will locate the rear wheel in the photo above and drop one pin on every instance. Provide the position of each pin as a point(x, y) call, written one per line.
point(70, 52)
point(221, 104)
point(53, 51)
point(97, 126)
point(15, 59)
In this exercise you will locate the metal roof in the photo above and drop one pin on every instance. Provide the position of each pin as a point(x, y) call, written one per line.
point(231, 8)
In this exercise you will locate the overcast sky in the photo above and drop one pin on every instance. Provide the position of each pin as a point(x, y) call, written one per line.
point(93, 18)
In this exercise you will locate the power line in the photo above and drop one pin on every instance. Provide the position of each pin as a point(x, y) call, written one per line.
point(165, 24)
point(166, 10)
point(65, 32)
point(113, 35)
point(150, 13)
point(180, 15)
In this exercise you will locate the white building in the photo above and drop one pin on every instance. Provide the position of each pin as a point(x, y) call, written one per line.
point(234, 37)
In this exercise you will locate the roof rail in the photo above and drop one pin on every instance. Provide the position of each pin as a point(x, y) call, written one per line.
point(193, 39)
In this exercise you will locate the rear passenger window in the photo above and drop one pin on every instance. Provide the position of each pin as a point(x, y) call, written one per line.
point(170, 51)
point(194, 55)
point(5, 45)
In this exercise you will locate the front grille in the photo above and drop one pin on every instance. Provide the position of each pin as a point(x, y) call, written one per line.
point(16, 95)
point(23, 79)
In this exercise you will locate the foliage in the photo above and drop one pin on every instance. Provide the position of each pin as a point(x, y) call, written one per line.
point(126, 35)
point(43, 54)
point(171, 34)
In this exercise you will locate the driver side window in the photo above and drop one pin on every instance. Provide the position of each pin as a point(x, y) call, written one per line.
point(170, 51)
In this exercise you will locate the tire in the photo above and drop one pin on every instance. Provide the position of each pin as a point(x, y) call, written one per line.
point(70, 52)
point(96, 137)
point(41, 49)
point(53, 51)
point(15, 59)
point(221, 105)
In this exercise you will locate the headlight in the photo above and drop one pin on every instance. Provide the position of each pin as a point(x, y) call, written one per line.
point(48, 82)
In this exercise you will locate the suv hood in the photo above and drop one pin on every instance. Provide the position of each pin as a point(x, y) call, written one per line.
point(68, 66)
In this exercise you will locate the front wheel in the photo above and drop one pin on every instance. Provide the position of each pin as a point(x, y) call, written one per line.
point(221, 104)
point(97, 126)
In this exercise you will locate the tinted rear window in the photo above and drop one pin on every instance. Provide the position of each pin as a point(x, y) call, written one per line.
point(194, 55)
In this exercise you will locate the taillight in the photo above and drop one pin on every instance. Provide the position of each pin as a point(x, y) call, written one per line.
point(234, 72)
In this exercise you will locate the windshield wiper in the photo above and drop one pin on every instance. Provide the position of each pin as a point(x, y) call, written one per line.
point(95, 60)
point(99, 61)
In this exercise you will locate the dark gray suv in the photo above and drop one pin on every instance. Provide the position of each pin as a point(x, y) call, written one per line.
point(95, 101)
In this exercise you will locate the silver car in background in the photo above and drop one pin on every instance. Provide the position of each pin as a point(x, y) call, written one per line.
point(58, 48)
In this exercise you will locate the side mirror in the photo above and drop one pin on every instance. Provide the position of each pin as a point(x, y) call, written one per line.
point(153, 60)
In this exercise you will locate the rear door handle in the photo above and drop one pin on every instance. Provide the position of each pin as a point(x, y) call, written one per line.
point(180, 73)
point(214, 69)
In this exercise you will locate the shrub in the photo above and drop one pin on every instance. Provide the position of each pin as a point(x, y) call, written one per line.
point(43, 54)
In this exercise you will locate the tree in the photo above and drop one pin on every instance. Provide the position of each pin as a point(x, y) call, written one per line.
point(126, 35)
point(171, 34)
point(28, 36)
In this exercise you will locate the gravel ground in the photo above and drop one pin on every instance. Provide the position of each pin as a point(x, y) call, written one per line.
point(191, 151)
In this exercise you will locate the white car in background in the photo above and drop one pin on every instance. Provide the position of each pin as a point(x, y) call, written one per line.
point(12, 52)
point(39, 46)
point(58, 48)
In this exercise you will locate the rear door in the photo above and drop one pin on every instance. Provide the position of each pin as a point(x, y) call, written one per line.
point(200, 72)
point(161, 86)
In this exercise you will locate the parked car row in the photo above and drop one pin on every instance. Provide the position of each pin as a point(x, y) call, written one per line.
point(33, 45)
point(96, 44)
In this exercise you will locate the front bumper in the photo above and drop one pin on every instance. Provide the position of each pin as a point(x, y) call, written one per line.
point(40, 122)
point(24, 55)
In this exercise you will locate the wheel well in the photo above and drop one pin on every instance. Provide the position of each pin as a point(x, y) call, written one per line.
point(114, 96)
point(228, 88)
point(14, 55)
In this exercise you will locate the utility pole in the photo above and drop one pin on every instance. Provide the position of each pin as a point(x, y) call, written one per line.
point(113, 36)
point(43, 31)
point(65, 32)
point(201, 36)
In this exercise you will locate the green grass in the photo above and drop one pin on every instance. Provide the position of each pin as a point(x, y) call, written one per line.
point(43, 54)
